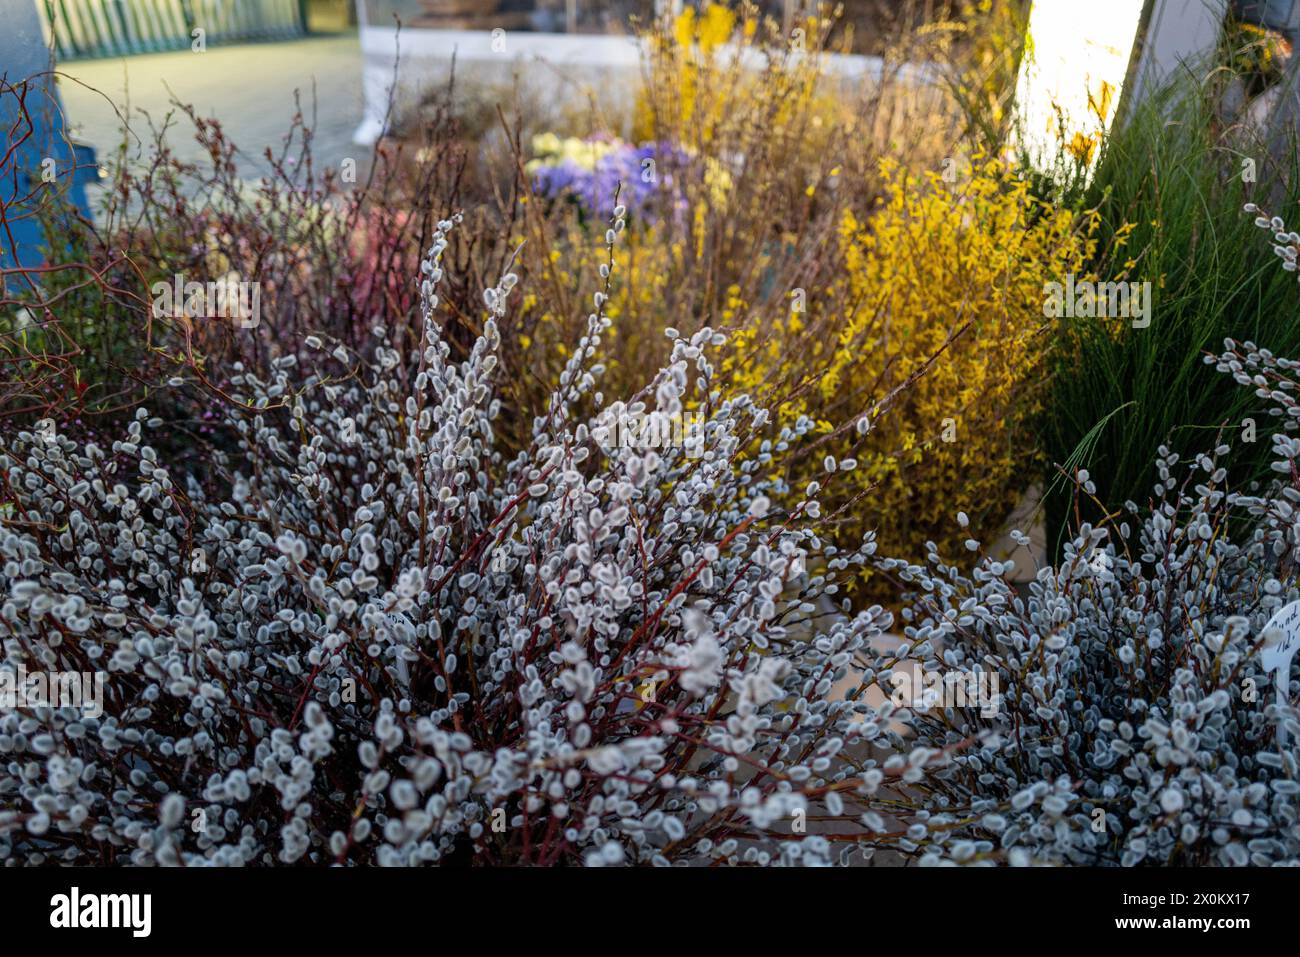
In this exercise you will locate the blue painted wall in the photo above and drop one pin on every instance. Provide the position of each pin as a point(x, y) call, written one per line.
point(25, 59)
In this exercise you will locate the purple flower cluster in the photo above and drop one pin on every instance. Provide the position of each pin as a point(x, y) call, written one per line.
point(635, 173)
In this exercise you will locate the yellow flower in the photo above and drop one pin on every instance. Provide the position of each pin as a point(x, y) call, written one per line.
point(1083, 146)
point(716, 26)
point(684, 27)
point(546, 144)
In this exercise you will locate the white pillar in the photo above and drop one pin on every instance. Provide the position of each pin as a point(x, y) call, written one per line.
point(1076, 60)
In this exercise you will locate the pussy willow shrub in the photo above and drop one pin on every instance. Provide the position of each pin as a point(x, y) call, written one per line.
point(1136, 724)
point(370, 637)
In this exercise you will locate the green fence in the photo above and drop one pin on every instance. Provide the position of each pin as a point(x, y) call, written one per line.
point(90, 28)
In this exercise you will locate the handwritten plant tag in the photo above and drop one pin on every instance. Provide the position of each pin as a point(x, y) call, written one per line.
point(1281, 641)
point(401, 626)
point(402, 631)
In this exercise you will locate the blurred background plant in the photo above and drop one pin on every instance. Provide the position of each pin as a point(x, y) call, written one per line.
point(332, 251)
point(757, 153)
point(591, 171)
point(981, 43)
point(1258, 56)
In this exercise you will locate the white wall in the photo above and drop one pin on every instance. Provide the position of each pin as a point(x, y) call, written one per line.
point(551, 65)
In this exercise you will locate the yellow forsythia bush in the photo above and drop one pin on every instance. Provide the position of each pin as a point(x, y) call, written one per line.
point(846, 285)
point(939, 340)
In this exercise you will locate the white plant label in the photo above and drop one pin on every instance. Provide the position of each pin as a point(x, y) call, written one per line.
point(400, 627)
point(1276, 654)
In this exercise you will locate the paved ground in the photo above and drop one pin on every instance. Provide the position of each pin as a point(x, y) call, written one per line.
point(248, 87)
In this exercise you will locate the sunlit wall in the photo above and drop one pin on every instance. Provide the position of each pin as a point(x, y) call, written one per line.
point(1072, 75)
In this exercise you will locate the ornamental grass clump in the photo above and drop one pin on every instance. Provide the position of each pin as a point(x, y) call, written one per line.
point(1137, 724)
point(363, 635)
point(1119, 389)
